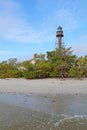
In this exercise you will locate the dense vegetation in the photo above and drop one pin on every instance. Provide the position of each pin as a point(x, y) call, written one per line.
point(57, 63)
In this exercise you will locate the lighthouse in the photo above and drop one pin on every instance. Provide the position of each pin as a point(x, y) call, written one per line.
point(59, 34)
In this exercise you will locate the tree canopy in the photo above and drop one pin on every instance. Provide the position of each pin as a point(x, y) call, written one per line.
point(60, 63)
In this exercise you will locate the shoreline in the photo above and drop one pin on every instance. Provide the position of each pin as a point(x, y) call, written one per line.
point(43, 86)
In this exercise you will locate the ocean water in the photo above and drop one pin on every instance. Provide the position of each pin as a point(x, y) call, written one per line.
point(43, 112)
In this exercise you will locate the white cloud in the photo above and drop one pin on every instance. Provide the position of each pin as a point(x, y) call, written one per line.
point(4, 52)
point(80, 45)
point(67, 19)
point(13, 26)
point(8, 4)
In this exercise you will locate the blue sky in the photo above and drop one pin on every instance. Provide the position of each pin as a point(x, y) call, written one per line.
point(29, 26)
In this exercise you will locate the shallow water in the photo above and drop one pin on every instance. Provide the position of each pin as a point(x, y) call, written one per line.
point(43, 112)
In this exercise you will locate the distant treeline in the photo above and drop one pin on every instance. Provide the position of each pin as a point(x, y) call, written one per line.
point(60, 63)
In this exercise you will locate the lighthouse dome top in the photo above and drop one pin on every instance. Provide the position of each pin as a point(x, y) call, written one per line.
point(59, 28)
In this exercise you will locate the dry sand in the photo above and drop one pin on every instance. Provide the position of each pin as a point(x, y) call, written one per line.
point(43, 86)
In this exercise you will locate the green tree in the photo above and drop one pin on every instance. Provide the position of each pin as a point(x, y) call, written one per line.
point(62, 59)
point(82, 65)
point(44, 68)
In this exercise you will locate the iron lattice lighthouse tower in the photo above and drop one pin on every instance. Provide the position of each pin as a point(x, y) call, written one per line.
point(59, 34)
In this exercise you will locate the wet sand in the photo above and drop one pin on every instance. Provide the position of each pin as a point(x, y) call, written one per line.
point(43, 112)
point(44, 104)
point(43, 86)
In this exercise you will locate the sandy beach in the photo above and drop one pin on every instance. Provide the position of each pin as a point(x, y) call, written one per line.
point(43, 86)
point(43, 104)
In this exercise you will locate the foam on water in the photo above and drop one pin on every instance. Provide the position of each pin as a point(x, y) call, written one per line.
point(68, 123)
point(77, 122)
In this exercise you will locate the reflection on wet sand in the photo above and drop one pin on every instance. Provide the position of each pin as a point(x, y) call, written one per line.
point(43, 112)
